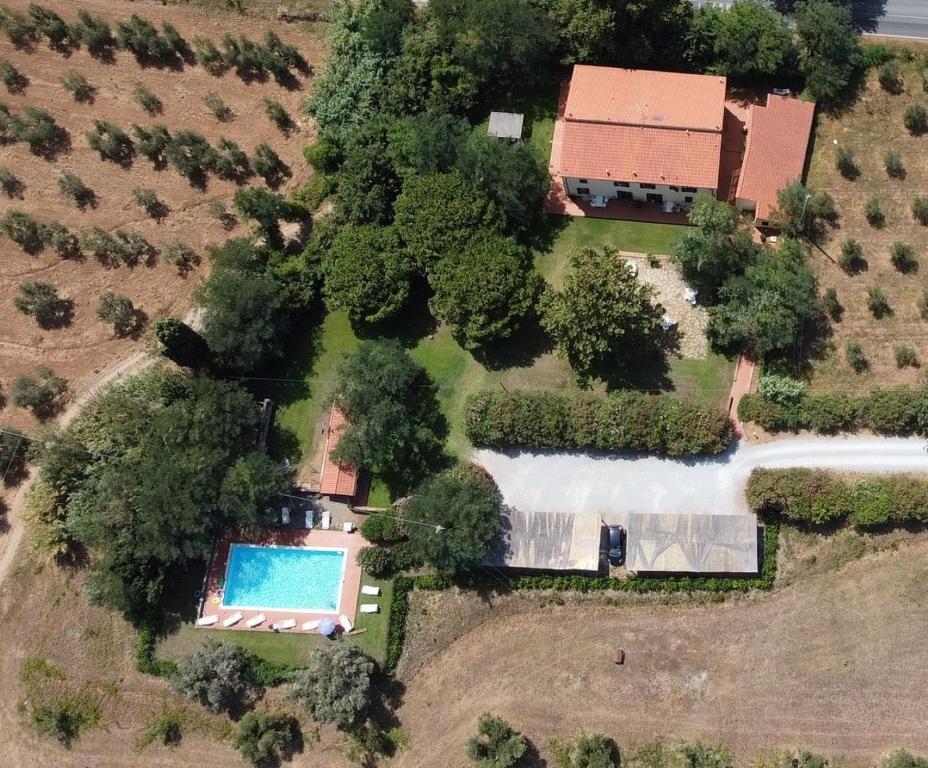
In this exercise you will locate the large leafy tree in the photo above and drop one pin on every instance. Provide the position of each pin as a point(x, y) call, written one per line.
point(463, 504)
point(367, 272)
point(438, 213)
point(394, 422)
point(752, 40)
point(602, 314)
point(829, 49)
point(367, 182)
point(251, 484)
point(335, 686)
point(801, 210)
point(716, 248)
point(765, 310)
point(485, 291)
point(216, 675)
point(426, 142)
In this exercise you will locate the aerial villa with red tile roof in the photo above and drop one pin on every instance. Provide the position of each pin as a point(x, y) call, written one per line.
point(661, 137)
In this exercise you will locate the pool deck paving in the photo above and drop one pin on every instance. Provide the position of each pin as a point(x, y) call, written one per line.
point(352, 543)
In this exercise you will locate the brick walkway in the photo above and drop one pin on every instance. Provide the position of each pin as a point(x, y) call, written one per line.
point(744, 376)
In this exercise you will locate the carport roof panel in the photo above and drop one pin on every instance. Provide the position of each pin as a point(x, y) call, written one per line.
point(692, 543)
point(548, 541)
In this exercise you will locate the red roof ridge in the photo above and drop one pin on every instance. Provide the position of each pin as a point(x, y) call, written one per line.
point(337, 478)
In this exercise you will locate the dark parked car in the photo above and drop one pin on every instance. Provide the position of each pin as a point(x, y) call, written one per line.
point(616, 552)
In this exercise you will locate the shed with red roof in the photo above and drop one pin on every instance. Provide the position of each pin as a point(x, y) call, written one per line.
point(338, 478)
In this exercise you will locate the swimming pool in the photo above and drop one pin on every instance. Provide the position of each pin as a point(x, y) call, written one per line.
point(284, 578)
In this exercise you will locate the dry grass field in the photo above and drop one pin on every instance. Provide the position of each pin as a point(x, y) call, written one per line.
point(869, 128)
point(87, 345)
point(836, 661)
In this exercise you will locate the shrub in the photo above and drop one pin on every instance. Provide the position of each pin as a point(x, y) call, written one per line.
point(889, 77)
point(925, 80)
point(174, 40)
point(375, 561)
point(496, 745)
point(12, 454)
point(877, 302)
point(65, 243)
point(152, 143)
point(906, 357)
point(72, 188)
point(800, 495)
point(266, 164)
point(119, 312)
point(335, 687)
point(231, 162)
point(916, 119)
point(588, 750)
point(780, 389)
point(623, 421)
point(218, 108)
point(208, 56)
point(180, 343)
point(20, 29)
point(902, 255)
point(95, 34)
point(852, 256)
point(101, 245)
point(24, 230)
point(831, 305)
point(14, 80)
point(920, 209)
point(244, 56)
point(79, 87)
point(323, 155)
point(844, 162)
point(165, 728)
point(191, 156)
point(180, 255)
point(892, 161)
point(112, 143)
point(278, 115)
point(41, 393)
point(40, 131)
point(266, 738)
point(216, 675)
point(49, 24)
point(139, 36)
point(132, 247)
point(856, 357)
point(902, 759)
point(923, 306)
point(874, 212)
point(147, 100)
point(382, 529)
point(219, 212)
point(147, 199)
point(10, 183)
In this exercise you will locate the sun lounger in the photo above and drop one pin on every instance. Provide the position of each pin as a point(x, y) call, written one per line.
point(310, 514)
point(348, 527)
point(286, 624)
point(255, 621)
point(285, 515)
point(207, 621)
point(368, 589)
point(326, 520)
point(234, 619)
point(309, 626)
point(345, 622)
point(370, 608)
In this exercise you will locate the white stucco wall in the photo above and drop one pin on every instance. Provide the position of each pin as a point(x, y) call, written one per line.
point(608, 189)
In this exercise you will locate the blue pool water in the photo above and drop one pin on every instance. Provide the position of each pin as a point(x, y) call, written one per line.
point(284, 578)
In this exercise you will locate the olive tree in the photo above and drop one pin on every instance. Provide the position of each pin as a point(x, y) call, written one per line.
point(496, 745)
point(335, 686)
point(216, 675)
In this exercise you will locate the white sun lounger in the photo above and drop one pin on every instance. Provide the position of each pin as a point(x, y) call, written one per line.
point(234, 619)
point(286, 624)
point(309, 626)
point(348, 526)
point(370, 608)
point(368, 589)
point(326, 520)
point(207, 621)
point(255, 621)
point(345, 622)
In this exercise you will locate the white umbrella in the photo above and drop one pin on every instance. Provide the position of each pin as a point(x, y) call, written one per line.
point(327, 627)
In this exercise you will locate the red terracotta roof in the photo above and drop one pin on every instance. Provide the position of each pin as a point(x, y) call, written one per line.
point(778, 140)
point(337, 479)
point(649, 155)
point(646, 97)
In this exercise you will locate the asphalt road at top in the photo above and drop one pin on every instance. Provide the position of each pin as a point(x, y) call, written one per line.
point(903, 18)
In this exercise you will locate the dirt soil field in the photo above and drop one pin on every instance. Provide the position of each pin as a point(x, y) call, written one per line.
point(836, 662)
point(869, 128)
point(87, 346)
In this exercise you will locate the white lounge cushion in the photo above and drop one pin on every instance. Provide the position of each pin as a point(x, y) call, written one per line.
point(326, 520)
point(234, 619)
point(370, 608)
point(286, 624)
point(369, 589)
point(347, 527)
point(207, 621)
point(309, 626)
point(345, 622)
point(255, 621)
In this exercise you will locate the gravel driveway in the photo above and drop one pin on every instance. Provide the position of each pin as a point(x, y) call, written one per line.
point(614, 486)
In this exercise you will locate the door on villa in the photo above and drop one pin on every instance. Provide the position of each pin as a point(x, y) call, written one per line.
point(655, 197)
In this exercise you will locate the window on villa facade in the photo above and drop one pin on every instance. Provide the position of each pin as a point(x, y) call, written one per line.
point(647, 186)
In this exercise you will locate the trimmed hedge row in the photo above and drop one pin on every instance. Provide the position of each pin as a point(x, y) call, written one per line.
point(889, 411)
point(619, 422)
point(818, 497)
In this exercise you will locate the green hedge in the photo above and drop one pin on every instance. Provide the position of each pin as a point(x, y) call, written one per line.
point(819, 497)
point(619, 422)
point(146, 661)
point(888, 411)
point(396, 632)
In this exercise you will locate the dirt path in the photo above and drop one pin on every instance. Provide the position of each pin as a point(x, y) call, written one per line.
point(837, 663)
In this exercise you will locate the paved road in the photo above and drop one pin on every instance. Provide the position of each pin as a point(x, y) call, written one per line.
point(615, 486)
point(905, 18)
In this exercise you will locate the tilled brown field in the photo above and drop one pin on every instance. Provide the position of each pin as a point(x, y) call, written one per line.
point(836, 662)
point(87, 345)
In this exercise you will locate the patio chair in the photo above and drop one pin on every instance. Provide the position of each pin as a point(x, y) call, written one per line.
point(286, 624)
point(310, 626)
point(256, 621)
point(234, 619)
point(326, 520)
point(207, 621)
point(370, 608)
point(368, 589)
point(346, 623)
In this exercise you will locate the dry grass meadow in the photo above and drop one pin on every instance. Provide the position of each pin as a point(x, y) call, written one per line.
point(869, 128)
